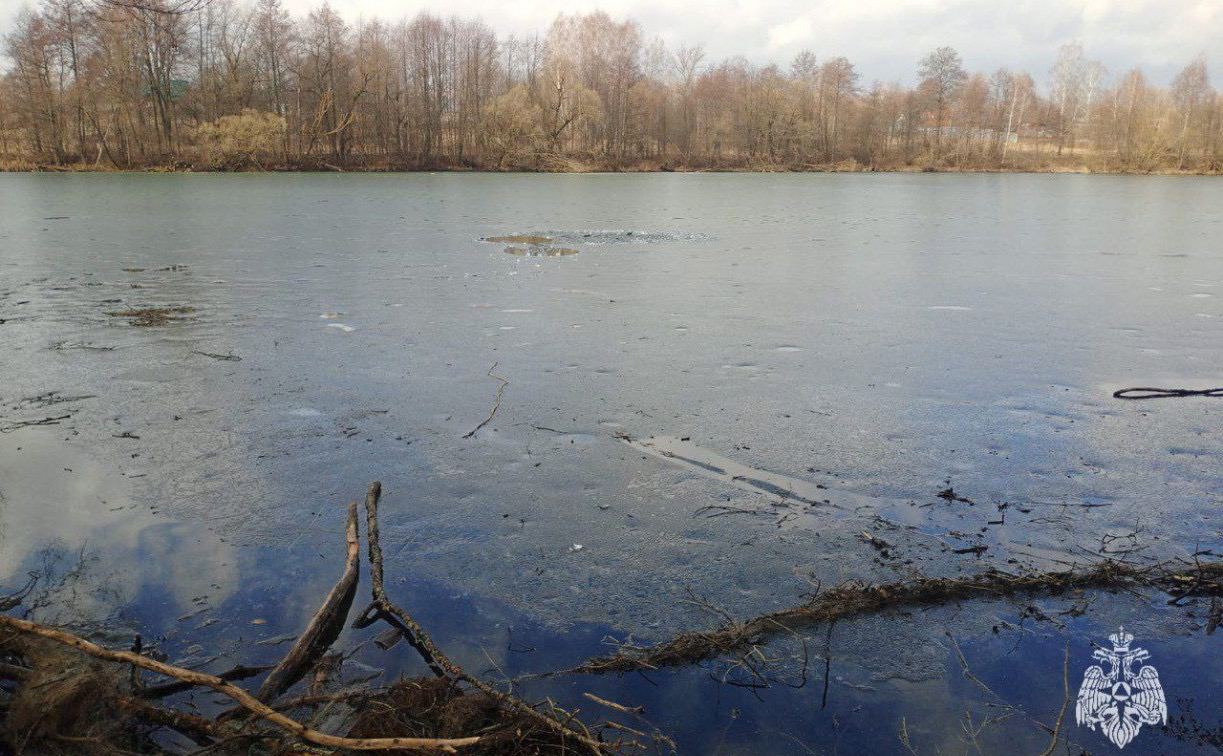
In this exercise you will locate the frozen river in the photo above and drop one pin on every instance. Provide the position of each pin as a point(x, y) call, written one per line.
point(711, 386)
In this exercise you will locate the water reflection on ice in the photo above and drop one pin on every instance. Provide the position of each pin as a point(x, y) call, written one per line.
point(89, 518)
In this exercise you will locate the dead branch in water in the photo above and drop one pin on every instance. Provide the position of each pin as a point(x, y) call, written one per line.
point(325, 626)
point(322, 630)
point(168, 689)
point(14, 599)
point(68, 697)
point(613, 705)
point(382, 608)
point(240, 696)
point(199, 729)
point(1179, 579)
point(1061, 715)
point(496, 402)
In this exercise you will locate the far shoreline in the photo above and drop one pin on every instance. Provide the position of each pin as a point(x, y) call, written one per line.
point(602, 170)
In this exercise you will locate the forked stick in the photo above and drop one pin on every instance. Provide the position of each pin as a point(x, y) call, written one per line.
point(383, 609)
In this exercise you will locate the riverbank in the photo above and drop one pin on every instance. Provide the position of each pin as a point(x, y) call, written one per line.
point(579, 167)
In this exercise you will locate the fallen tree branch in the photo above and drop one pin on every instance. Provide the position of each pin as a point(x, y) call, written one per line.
point(855, 599)
point(244, 699)
point(199, 729)
point(496, 403)
point(383, 609)
point(168, 689)
point(613, 705)
point(1061, 715)
point(325, 626)
point(329, 698)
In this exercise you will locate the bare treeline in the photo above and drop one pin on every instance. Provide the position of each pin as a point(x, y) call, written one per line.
point(225, 85)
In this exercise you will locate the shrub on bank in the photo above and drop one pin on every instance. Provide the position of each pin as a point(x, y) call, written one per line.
point(251, 139)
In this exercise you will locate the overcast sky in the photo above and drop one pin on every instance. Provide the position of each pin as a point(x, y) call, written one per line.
point(883, 38)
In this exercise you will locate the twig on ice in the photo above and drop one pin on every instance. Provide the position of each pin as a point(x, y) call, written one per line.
point(496, 403)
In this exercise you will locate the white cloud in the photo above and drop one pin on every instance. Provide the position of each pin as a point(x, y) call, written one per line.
point(791, 33)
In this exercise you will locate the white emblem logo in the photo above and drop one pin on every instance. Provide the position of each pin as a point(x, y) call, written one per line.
point(1120, 700)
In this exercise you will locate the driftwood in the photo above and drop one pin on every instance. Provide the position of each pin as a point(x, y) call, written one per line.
point(324, 626)
point(240, 696)
point(382, 608)
point(1179, 579)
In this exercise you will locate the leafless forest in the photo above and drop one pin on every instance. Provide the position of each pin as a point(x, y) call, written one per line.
point(101, 85)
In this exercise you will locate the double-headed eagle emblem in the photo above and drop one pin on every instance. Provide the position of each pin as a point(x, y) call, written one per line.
point(1120, 700)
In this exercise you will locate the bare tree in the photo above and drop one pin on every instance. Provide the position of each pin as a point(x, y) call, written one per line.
point(1075, 80)
point(837, 85)
point(139, 82)
point(942, 75)
point(1190, 92)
